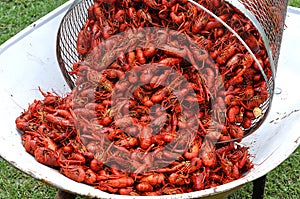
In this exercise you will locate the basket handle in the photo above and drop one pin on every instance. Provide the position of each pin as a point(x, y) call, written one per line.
point(74, 4)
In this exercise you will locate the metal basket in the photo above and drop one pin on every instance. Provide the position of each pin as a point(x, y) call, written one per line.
point(267, 16)
point(69, 28)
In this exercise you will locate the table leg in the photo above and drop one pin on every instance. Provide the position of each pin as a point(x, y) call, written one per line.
point(259, 187)
point(64, 195)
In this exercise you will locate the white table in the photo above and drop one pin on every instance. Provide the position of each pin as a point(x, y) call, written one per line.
point(28, 60)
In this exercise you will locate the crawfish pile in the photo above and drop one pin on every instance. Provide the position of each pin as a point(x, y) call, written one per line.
point(160, 86)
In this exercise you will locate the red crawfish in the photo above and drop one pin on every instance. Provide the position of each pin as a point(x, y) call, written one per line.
point(200, 22)
point(83, 41)
point(144, 187)
point(154, 179)
point(120, 182)
point(46, 156)
point(152, 4)
point(74, 172)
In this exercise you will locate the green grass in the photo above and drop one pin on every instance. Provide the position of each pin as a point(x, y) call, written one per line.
point(15, 184)
point(295, 3)
point(15, 15)
point(282, 182)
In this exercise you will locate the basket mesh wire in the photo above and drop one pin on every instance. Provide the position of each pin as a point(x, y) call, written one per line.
point(268, 17)
point(69, 28)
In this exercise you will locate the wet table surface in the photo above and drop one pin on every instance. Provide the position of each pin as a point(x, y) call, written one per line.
point(36, 66)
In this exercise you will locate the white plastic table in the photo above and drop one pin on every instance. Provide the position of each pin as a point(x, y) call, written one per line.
point(28, 60)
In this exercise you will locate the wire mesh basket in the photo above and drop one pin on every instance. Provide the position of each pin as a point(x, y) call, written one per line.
point(265, 15)
point(268, 17)
point(68, 31)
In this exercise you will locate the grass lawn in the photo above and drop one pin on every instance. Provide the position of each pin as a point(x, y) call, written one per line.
point(295, 3)
point(15, 15)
